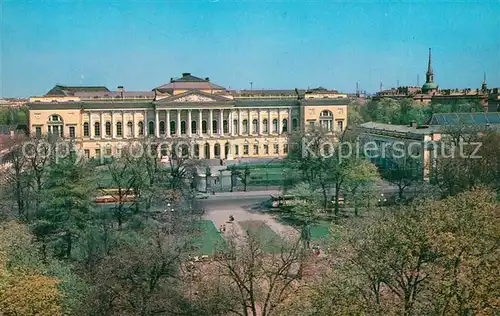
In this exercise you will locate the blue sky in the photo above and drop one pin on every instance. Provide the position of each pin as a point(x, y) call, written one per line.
point(279, 44)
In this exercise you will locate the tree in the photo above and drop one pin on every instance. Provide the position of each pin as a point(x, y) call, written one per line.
point(437, 258)
point(246, 177)
point(360, 182)
point(66, 208)
point(261, 281)
point(403, 172)
point(234, 174)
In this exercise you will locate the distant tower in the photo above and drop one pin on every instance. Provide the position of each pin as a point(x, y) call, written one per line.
point(484, 86)
point(397, 84)
point(357, 88)
point(381, 86)
point(429, 85)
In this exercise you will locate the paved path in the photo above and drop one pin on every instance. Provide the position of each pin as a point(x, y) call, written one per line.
point(241, 205)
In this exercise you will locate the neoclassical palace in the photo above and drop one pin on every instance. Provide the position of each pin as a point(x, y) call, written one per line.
point(219, 123)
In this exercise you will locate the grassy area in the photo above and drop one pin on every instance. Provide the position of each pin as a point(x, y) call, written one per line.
point(320, 232)
point(209, 240)
point(269, 240)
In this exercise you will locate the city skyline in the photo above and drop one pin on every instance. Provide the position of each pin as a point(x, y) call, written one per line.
point(273, 45)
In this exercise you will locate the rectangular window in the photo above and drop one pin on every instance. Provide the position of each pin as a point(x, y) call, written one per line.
point(108, 151)
point(38, 131)
point(119, 129)
point(98, 153)
point(86, 129)
point(72, 131)
point(266, 149)
point(276, 148)
point(108, 129)
point(245, 149)
point(87, 153)
point(97, 130)
point(236, 150)
point(340, 126)
point(311, 124)
point(255, 149)
point(285, 148)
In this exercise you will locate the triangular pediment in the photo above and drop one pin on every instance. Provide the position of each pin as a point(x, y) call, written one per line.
point(193, 96)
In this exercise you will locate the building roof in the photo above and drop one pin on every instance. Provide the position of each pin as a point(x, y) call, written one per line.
point(423, 129)
point(61, 90)
point(188, 82)
point(477, 118)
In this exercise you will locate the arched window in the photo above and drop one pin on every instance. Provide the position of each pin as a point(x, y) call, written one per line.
point(206, 149)
point(108, 128)
point(97, 129)
point(162, 127)
point(204, 127)
point(225, 126)
point(217, 150)
point(285, 125)
point(197, 150)
point(214, 126)
point(183, 127)
point(295, 124)
point(236, 127)
point(275, 125)
point(85, 129)
point(326, 113)
point(130, 129)
point(141, 128)
point(255, 126)
point(173, 129)
point(164, 150)
point(245, 126)
point(119, 129)
point(265, 126)
point(151, 128)
point(194, 125)
point(326, 120)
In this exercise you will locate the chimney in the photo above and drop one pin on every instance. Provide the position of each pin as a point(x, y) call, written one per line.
point(121, 90)
point(186, 74)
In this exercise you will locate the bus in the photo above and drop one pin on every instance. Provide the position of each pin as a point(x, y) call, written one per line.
point(113, 196)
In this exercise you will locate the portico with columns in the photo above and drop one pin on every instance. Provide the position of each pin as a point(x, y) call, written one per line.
point(195, 111)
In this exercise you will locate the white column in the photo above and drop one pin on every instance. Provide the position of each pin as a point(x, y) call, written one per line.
point(188, 123)
point(167, 129)
point(249, 123)
point(289, 120)
point(210, 118)
point(199, 124)
point(240, 123)
point(102, 129)
point(157, 124)
point(231, 119)
point(279, 122)
point(91, 126)
point(134, 128)
point(124, 126)
point(221, 123)
point(269, 122)
point(259, 127)
point(146, 123)
point(113, 134)
point(178, 124)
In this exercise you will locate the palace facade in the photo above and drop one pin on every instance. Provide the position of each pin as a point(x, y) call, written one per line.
point(218, 123)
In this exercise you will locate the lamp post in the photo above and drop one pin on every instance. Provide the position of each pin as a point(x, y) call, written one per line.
point(381, 201)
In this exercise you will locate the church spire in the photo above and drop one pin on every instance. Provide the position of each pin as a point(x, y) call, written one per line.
point(429, 75)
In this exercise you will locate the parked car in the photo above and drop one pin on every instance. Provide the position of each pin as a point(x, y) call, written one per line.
point(201, 196)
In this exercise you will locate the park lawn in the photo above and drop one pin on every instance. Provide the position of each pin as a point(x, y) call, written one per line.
point(269, 240)
point(209, 240)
